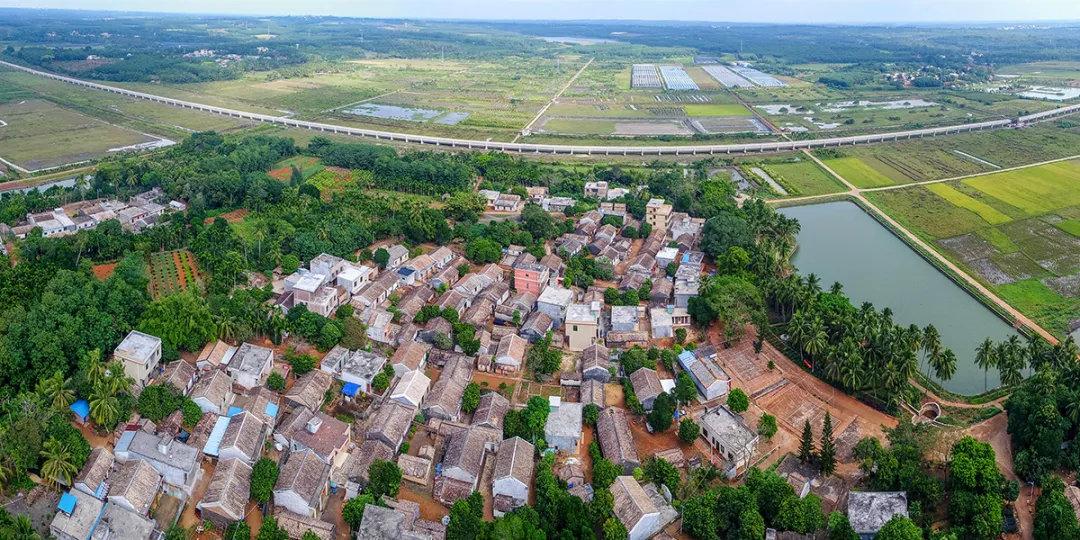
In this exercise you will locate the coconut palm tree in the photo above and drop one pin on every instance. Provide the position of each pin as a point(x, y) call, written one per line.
point(944, 365)
point(20, 528)
point(816, 339)
point(57, 390)
point(986, 358)
point(95, 369)
point(1065, 354)
point(931, 345)
point(58, 466)
point(118, 380)
point(813, 284)
point(104, 405)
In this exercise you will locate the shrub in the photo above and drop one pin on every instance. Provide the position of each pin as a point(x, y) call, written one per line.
point(737, 401)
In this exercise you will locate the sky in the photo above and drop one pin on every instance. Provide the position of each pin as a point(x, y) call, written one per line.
point(764, 11)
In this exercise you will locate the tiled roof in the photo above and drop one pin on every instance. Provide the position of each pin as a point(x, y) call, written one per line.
point(616, 440)
point(229, 488)
point(215, 387)
point(304, 474)
point(515, 460)
point(491, 410)
point(631, 501)
point(310, 389)
point(391, 422)
point(96, 469)
point(331, 434)
point(245, 433)
point(410, 354)
point(138, 482)
point(646, 383)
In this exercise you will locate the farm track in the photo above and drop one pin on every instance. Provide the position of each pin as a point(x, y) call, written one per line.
point(556, 149)
point(553, 99)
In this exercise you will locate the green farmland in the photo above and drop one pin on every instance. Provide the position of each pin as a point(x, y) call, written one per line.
point(1017, 231)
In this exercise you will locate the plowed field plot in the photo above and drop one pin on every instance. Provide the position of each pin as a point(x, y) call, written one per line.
point(38, 134)
point(173, 271)
point(1014, 230)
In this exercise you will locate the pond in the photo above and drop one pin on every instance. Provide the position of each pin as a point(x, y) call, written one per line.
point(841, 242)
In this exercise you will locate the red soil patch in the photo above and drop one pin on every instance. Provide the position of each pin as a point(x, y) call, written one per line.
point(103, 271)
point(283, 173)
point(234, 216)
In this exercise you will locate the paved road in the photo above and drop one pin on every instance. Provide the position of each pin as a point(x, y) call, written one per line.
point(528, 148)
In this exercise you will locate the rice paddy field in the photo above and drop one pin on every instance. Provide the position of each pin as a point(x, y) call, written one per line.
point(800, 176)
point(1017, 231)
point(921, 160)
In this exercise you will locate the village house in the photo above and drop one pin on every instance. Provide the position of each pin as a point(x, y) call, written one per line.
point(646, 386)
point(140, 355)
point(595, 363)
point(624, 318)
point(536, 327)
point(326, 436)
point(444, 399)
point(410, 356)
point(569, 245)
point(358, 367)
point(869, 511)
point(411, 388)
point(214, 354)
point(664, 321)
point(297, 525)
point(309, 390)
point(596, 190)
point(657, 213)
point(616, 440)
point(666, 256)
point(465, 453)
point(513, 475)
point(635, 509)
point(177, 462)
point(522, 303)
point(380, 325)
point(391, 423)
point(307, 289)
point(592, 391)
point(529, 275)
point(263, 403)
point(379, 523)
point(582, 326)
point(134, 485)
point(479, 313)
point(302, 484)
point(563, 428)
point(77, 516)
point(553, 302)
point(491, 411)
point(510, 355)
point(213, 392)
point(92, 478)
point(557, 204)
point(354, 277)
point(442, 256)
point(711, 379)
point(507, 202)
point(180, 375)
point(398, 255)
point(613, 209)
point(243, 439)
point(729, 436)
point(250, 365)
point(354, 472)
point(660, 295)
point(687, 283)
point(227, 494)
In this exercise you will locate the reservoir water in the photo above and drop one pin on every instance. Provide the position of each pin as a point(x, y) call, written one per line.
point(838, 241)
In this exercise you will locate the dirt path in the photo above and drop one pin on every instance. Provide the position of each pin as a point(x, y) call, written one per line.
point(994, 431)
point(553, 100)
point(856, 193)
point(999, 402)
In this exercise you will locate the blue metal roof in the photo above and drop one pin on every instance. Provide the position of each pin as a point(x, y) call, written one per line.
point(271, 410)
point(233, 411)
point(350, 389)
point(405, 271)
point(81, 408)
point(213, 443)
point(67, 503)
point(686, 359)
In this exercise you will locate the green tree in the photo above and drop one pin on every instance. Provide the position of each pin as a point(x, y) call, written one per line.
point(237, 530)
point(483, 250)
point(737, 400)
point(1054, 515)
point(470, 399)
point(385, 479)
point(182, 320)
point(806, 444)
point(975, 500)
point(176, 532)
point(104, 406)
point(263, 477)
point(381, 257)
point(467, 518)
point(899, 528)
point(661, 472)
point(290, 263)
point(57, 390)
point(543, 358)
point(380, 382)
point(614, 530)
point(270, 530)
point(353, 510)
point(827, 448)
point(685, 390)
point(58, 466)
point(662, 414)
point(275, 381)
point(590, 414)
point(688, 431)
point(767, 426)
point(840, 528)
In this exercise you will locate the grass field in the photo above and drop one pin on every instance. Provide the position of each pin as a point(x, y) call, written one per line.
point(1017, 231)
point(716, 109)
point(859, 172)
point(802, 177)
point(39, 134)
